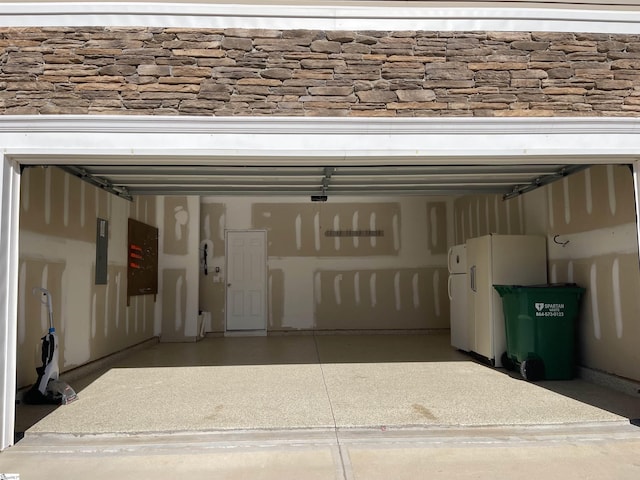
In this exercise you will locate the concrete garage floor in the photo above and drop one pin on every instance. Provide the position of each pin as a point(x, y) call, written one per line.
point(339, 407)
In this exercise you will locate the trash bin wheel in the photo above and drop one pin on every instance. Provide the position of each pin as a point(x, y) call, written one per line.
point(532, 369)
point(507, 363)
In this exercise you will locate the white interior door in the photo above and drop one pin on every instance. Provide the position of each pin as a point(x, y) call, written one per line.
point(246, 280)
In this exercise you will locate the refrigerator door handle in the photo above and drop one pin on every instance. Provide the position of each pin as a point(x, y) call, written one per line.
point(472, 276)
point(449, 288)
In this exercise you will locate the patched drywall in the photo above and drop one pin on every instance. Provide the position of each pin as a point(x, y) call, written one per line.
point(211, 233)
point(591, 230)
point(179, 268)
point(59, 205)
point(589, 221)
point(600, 197)
point(58, 215)
point(212, 286)
point(437, 222)
point(328, 229)
point(386, 299)
point(276, 296)
point(33, 318)
point(176, 231)
point(174, 304)
point(477, 215)
point(144, 210)
point(608, 326)
point(402, 240)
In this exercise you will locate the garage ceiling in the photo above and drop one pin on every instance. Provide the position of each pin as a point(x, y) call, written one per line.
point(203, 180)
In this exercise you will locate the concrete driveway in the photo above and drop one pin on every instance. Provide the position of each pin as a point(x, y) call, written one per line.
point(345, 407)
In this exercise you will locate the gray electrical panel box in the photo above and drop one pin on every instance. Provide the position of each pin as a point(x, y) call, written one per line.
point(102, 235)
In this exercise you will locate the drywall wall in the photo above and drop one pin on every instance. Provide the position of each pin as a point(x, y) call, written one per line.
point(351, 263)
point(58, 228)
point(178, 282)
point(589, 221)
point(333, 230)
point(591, 216)
point(477, 215)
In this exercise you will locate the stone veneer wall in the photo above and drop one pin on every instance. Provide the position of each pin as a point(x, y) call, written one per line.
point(315, 73)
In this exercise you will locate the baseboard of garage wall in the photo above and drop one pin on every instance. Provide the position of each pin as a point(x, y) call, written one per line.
point(75, 373)
point(624, 385)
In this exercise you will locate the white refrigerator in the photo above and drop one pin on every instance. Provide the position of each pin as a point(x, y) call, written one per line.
point(457, 289)
point(499, 260)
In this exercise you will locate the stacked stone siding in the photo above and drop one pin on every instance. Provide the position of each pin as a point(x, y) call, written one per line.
point(166, 71)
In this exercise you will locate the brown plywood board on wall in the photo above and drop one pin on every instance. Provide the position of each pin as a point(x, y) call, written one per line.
point(382, 299)
point(142, 259)
point(301, 229)
point(599, 197)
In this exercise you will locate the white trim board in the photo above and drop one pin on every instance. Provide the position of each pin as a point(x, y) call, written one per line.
point(370, 16)
point(151, 140)
point(9, 225)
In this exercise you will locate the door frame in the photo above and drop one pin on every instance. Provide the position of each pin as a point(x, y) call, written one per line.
point(9, 252)
point(246, 333)
point(111, 140)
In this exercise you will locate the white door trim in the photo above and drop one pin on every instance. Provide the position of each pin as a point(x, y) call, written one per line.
point(9, 229)
point(259, 332)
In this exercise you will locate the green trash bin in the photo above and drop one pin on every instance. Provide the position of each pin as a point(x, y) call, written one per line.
point(540, 328)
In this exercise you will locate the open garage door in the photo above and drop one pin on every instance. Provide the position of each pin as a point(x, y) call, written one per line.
point(321, 181)
point(300, 157)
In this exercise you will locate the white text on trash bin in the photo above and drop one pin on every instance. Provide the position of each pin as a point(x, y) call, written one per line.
point(549, 309)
